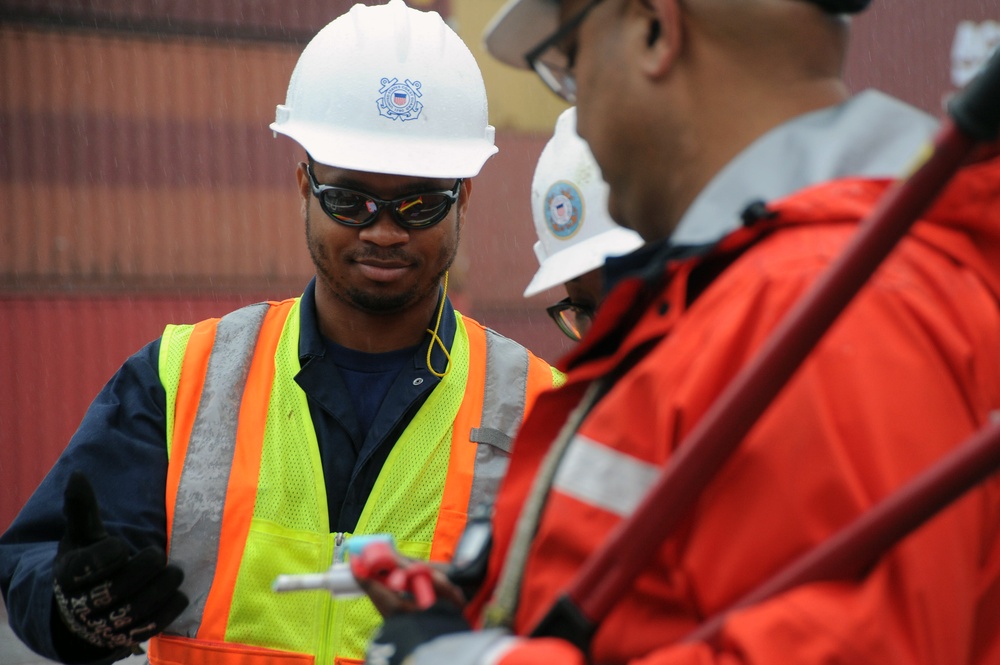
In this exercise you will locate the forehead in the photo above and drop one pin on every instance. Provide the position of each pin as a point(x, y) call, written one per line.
point(377, 183)
point(587, 288)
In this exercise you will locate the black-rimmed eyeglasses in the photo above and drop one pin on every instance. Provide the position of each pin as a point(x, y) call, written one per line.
point(553, 58)
point(572, 318)
point(358, 209)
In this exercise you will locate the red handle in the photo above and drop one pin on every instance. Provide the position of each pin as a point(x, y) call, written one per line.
point(377, 561)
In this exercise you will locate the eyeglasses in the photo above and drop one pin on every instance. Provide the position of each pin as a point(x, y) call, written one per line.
point(572, 318)
point(358, 209)
point(553, 58)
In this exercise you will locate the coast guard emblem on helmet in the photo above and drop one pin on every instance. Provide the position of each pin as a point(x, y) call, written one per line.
point(563, 209)
point(400, 101)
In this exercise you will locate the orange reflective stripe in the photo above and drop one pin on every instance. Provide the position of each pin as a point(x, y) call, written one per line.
point(241, 491)
point(173, 650)
point(193, 370)
point(462, 462)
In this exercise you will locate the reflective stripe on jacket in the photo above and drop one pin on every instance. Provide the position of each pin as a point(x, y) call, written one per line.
point(246, 498)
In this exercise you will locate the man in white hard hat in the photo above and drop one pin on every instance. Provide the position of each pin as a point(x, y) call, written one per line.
point(236, 449)
point(569, 205)
point(732, 145)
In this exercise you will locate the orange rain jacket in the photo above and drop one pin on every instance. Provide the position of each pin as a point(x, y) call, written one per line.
point(910, 369)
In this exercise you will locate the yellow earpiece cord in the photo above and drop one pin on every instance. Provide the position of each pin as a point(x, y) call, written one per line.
point(437, 340)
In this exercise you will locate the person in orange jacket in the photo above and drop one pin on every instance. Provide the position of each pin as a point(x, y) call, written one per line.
point(732, 146)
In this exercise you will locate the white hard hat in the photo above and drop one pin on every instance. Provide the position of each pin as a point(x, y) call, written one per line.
point(519, 26)
point(569, 202)
point(389, 89)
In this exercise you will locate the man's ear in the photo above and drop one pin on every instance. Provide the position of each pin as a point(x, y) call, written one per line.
point(663, 34)
point(302, 177)
point(464, 194)
point(305, 189)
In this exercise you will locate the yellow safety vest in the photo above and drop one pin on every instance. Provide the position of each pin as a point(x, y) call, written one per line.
point(246, 497)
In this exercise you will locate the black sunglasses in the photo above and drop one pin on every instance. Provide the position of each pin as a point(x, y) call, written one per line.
point(572, 318)
point(358, 209)
point(553, 61)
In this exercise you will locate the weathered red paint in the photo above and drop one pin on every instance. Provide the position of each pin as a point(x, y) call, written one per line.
point(139, 185)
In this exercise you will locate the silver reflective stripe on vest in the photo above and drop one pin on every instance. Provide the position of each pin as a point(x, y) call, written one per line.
point(503, 409)
point(602, 477)
point(201, 495)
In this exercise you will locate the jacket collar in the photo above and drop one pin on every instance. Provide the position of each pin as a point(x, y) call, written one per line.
point(876, 137)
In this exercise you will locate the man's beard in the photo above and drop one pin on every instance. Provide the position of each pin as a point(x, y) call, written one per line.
point(371, 301)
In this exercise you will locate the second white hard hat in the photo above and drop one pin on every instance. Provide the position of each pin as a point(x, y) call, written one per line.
point(569, 204)
point(389, 89)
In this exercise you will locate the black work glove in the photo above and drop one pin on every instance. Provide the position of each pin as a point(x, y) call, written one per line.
point(105, 596)
point(401, 634)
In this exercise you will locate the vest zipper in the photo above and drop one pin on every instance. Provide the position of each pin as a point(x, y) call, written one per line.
point(338, 547)
point(324, 655)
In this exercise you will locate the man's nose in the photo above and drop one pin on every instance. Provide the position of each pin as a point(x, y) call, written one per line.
point(384, 231)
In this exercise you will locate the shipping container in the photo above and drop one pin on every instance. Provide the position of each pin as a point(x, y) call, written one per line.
point(140, 185)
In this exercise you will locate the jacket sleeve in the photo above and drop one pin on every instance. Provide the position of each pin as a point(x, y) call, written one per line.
point(120, 445)
point(907, 373)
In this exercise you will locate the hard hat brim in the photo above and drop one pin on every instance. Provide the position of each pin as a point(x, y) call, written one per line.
point(581, 258)
point(519, 26)
point(382, 153)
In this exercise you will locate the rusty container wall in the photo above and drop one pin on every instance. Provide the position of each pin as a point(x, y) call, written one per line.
point(143, 164)
point(58, 352)
point(139, 184)
point(921, 52)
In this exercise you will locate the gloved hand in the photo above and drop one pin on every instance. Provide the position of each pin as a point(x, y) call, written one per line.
point(402, 633)
point(105, 596)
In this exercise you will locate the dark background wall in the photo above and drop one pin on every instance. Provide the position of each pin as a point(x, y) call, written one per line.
point(139, 184)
